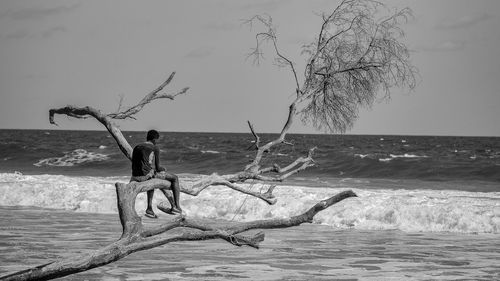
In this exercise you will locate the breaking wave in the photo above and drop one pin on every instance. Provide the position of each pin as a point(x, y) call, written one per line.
point(406, 155)
point(76, 156)
point(210, 151)
point(381, 158)
point(380, 209)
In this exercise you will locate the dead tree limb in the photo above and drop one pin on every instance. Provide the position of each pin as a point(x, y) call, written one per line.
point(135, 237)
point(87, 111)
point(252, 171)
point(228, 181)
point(155, 94)
point(357, 59)
point(107, 120)
point(358, 53)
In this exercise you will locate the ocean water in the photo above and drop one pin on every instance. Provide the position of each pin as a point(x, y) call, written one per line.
point(428, 207)
point(94, 153)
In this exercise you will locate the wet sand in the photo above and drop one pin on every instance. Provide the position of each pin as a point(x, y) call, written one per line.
point(31, 237)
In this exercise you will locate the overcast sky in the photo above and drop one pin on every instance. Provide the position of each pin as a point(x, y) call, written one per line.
point(54, 53)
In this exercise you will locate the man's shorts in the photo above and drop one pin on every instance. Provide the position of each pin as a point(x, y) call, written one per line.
point(149, 176)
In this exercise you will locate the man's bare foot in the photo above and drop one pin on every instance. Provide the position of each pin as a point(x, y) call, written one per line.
point(151, 214)
point(168, 209)
point(176, 210)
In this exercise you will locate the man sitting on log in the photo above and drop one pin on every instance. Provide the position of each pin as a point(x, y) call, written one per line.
point(146, 165)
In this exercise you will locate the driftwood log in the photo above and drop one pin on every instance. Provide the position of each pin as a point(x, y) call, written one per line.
point(135, 237)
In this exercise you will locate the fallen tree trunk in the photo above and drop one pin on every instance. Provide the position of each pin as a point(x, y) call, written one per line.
point(135, 237)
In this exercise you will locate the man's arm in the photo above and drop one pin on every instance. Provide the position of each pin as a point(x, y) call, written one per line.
point(158, 168)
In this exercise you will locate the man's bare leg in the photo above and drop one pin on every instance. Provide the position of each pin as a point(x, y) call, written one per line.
point(176, 190)
point(149, 209)
point(168, 194)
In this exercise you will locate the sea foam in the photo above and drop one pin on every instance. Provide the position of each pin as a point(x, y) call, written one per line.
point(210, 151)
point(381, 209)
point(76, 156)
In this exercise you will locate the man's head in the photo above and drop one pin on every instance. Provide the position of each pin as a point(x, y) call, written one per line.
point(152, 136)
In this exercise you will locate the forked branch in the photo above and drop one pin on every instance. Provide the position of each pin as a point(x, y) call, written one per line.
point(228, 181)
point(153, 95)
point(106, 119)
point(87, 111)
point(356, 56)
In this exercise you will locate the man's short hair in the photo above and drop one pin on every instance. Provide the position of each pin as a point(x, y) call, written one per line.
point(152, 135)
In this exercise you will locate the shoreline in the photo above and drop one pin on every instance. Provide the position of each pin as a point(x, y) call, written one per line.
point(306, 252)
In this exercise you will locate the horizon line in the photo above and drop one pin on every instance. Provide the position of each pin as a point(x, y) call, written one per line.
point(291, 133)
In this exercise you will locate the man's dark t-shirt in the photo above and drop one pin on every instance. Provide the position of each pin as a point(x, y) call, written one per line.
point(144, 156)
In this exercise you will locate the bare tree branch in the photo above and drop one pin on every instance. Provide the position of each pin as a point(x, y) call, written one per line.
point(105, 119)
point(254, 166)
point(229, 181)
point(270, 35)
point(355, 57)
point(87, 111)
point(305, 161)
point(257, 138)
point(155, 94)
